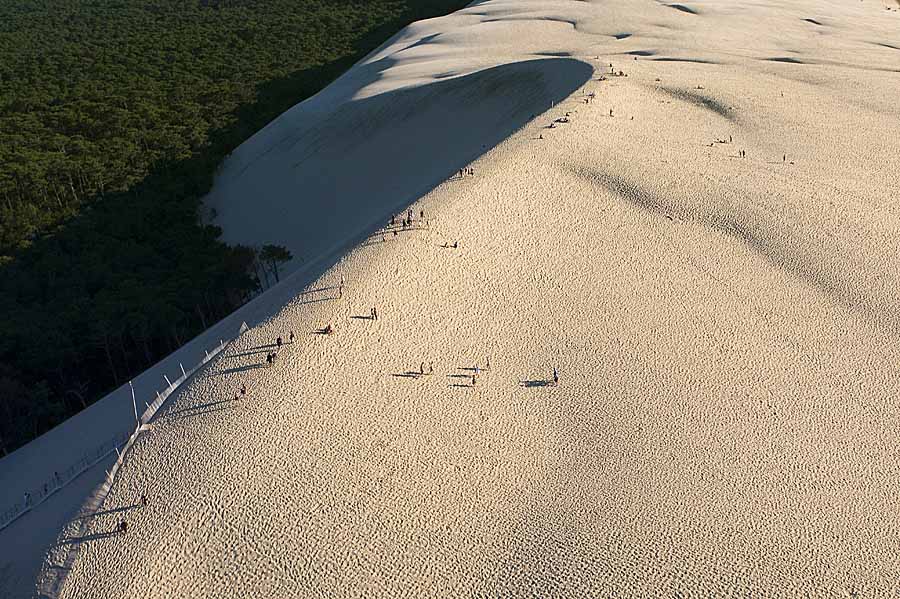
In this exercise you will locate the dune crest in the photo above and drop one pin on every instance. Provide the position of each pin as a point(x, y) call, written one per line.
point(601, 299)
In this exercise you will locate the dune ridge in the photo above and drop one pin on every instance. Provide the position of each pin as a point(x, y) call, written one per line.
point(703, 247)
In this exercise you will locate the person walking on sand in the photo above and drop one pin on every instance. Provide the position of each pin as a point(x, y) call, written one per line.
point(268, 360)
point(374, 313)
point(243, 389)
point(143, 500)
point(123, 527)
point(487, 365)
point(278, 342)
point(422, 368)
point(473, 380)
point(431, 368)
point(555, 376)
point(291, 337)
point(455, 244)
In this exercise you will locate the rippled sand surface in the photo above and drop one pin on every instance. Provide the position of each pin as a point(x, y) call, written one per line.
point(706, 251)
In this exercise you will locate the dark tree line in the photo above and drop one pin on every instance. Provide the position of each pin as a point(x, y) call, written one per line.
point(114, 115)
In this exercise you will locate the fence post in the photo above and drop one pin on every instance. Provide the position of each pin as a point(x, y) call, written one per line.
point(168, 381)
point(134, 403)
point(183, 373)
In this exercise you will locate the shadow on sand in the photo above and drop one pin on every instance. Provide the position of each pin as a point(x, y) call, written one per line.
point(536, 383)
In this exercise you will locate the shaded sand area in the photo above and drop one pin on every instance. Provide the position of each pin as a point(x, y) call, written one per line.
point(706, 251)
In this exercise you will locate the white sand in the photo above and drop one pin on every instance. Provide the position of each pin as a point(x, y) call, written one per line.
point(725, 329)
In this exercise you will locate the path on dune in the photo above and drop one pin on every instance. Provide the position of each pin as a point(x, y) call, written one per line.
point(725, 330)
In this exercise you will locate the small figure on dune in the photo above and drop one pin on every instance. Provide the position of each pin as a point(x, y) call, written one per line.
point(487, 363)
point(455, 245)
point(422, 368)
point(392, 221)
point(382, 238)
point(430, 368)
point(374, 313)
point(278, 342)
point(395, 232)
point(123, 527)
point(291, 336)
point(784, 159)
point(473, 380)
point(555, 376)
point(729, 139)
point(268, 360)
point(328, 330)
point(243, 389)
point(409, 215)
point(422, 214)
point(143, 500)
point(541, 136)
point(610, 112)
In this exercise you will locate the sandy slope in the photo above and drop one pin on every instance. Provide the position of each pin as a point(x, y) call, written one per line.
point(725, 328)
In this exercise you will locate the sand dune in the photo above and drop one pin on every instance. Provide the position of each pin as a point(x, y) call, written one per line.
point(706, 252)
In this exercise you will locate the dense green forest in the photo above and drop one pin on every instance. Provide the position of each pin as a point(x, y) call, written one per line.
point(114, 115)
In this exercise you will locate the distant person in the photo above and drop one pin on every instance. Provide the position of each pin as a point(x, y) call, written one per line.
point(555, 376)
point(268, 360)
point(291, 337)
point(422, 214)
point(123, 527)
point(473, 380)
point(374, 313)
point(243, 389)
point(431, 368)
point(409, 215)
point(278, 342)
point(143, 500)
point(392, 221)
point(455, 244)
point(488, 363)
point(610, 112)
point(784, 159)
point(422, 368)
